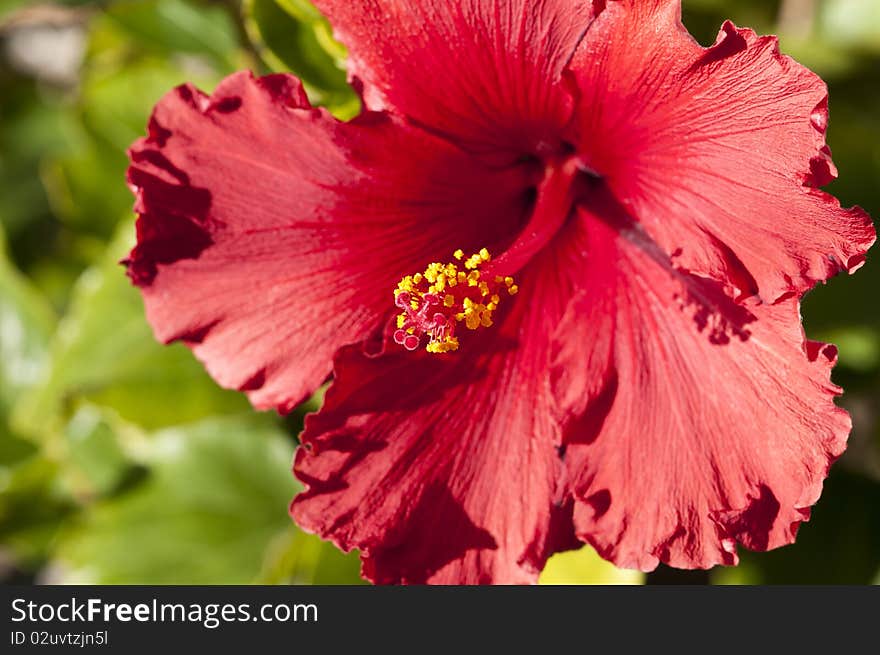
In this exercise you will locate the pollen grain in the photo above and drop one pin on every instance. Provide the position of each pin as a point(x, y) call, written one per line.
point(433, 302)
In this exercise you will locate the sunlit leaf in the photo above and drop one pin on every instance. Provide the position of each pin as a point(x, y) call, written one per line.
point(116, 103)
point(93, 450)
point(859, 346)
point(211, 510)
point(7, 6)
point(301, 10)
point(853, 23)
point(104, 352)
point(299, 558)
point(177, 26)
point(26, 323)
point(585, 567)
point(292, 36)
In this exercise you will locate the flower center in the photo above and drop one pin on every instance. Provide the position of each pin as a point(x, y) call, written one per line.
point(435, 301)
point(469, 290)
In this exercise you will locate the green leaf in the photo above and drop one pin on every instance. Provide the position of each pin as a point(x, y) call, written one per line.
point(26, 322)
point(852, 23)
point(176, 26)
point(116, 101)
point(104, 353)
point(859, 346)
point(32, 504)
point(301, 10)
point(305, 12)
point(213, 510)
point(8, 6)
point(299, 558)
point(33, 124)
point(93, 450)
point(122, 80)
point(585, 567)
point(86, 188)
point(703, 17)
point(292, 36)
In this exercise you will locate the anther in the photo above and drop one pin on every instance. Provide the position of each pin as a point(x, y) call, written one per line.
point(433, 302)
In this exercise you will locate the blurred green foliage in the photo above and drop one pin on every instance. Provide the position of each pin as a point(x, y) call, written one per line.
point(122, 462)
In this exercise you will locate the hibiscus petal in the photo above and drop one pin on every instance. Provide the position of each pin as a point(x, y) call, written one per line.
point(270, 234)
point(486, 72)
point(692, 423)
point(444, 469)
point(719, 152)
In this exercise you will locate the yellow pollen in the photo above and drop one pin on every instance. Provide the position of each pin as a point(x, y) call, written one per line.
point(435, 301)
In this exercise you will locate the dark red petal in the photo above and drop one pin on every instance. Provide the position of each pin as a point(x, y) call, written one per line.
point(270, 234)
point(486, 72)
point(444, 469)
point(692, 423)
point(718, 151)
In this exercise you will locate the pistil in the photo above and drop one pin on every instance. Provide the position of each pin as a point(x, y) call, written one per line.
point(468, 290)
point(434, 302)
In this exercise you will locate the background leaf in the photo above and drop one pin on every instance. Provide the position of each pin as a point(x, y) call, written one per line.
point(210, 511)
point(292, 36)
point(31, 506)
point(26, 323)
point(175, 26)
point(584, 566)
point(104, 352)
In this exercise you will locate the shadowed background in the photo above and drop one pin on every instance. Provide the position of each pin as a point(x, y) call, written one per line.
point(122, 462)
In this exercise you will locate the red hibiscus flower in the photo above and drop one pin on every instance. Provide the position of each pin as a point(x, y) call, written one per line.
point(656, 206)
